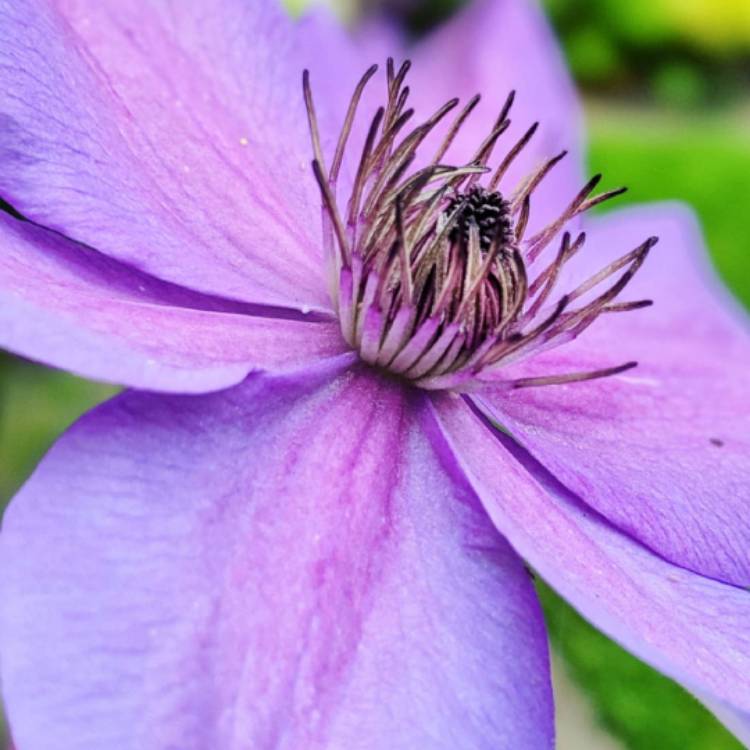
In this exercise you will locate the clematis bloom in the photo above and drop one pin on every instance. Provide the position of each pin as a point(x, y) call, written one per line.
point(301, 526)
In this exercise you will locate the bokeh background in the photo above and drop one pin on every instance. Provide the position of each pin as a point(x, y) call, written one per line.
point(665, 86)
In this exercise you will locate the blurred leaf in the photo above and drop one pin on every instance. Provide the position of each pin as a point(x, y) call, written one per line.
point(718, 26)
point(592, 55)
point(640, 706)
point(679, 84)
point(704, 161)
point(36, 404)
point(642, 22)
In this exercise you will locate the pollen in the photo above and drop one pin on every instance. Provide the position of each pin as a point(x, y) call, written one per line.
point(432, 270)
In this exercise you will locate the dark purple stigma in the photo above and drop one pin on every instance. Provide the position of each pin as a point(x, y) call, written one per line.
point(488, 211)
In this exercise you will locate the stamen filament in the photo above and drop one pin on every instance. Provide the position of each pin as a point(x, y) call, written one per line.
point(572, 377)
point(333, 211)
point(348, 122)
point(511, 157)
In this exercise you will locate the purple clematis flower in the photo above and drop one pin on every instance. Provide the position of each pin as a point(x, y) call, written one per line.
point(301, 526)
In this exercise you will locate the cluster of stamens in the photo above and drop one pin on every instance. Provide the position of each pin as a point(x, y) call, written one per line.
point(429, 262)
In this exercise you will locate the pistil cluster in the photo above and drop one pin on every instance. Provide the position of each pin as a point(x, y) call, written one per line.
point(431, 271)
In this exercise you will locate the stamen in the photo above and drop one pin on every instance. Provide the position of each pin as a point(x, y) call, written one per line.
point(628, 306)
point(540, 240)
point(511, 157)
point(579, 205)
point(483, 153)
point(598, 199)
point(349, 120)
point(312, 119)
point(523, 219)
point(572, 377)
point(460, 120)
point(407, 285)
point(359, 181)
point(591, 282)
point(430, 258)
point(333, 211)
point(534, 181)
point(549, 276)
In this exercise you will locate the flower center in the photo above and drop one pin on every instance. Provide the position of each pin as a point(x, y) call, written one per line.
point(431, 271)
point(485, 210)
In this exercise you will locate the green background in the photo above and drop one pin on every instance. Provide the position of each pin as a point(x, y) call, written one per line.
point(666, 117)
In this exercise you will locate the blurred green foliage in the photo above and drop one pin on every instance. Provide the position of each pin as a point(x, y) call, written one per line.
point(719, 28)
point(641, 707)
point(36, 404)
point(678, 52)
point(703, 160)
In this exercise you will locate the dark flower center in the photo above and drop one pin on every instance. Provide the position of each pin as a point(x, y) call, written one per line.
point(488, 211)
point(432, 273)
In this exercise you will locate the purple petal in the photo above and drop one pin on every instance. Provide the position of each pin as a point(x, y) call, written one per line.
point(491, 48)
point(663, 451)
point(171, 136)
point(281, 565)
point(693, 628)
point(69, 307)
point(337, 63)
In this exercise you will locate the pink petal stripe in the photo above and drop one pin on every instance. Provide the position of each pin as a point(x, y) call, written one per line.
point(282, 565)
